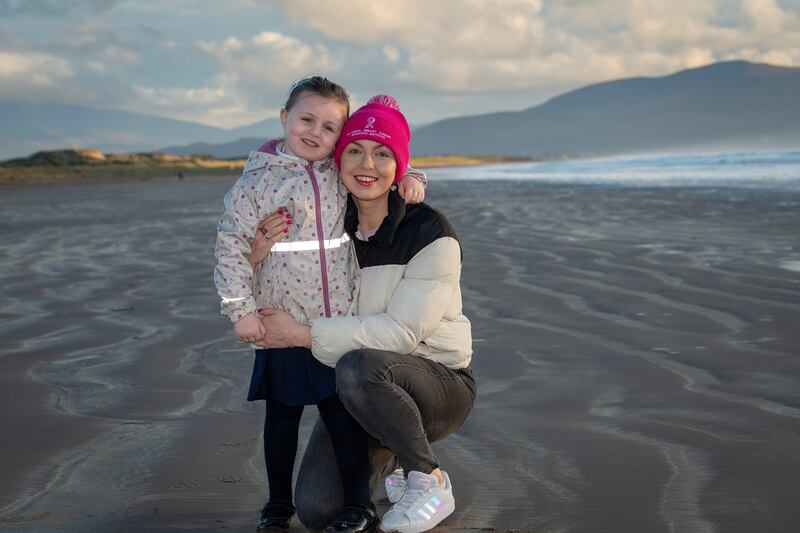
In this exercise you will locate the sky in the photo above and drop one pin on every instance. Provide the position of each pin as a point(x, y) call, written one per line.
point(230, 63)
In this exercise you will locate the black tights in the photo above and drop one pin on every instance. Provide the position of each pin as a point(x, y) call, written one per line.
point(349, 446)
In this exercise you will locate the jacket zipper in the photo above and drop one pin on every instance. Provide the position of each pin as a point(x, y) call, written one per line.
point(323, 263)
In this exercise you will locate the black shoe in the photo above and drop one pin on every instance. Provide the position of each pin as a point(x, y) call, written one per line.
point(354, 519)
point(275, 516)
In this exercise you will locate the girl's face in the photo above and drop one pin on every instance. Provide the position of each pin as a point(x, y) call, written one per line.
point(367, 170)
point(312, 126)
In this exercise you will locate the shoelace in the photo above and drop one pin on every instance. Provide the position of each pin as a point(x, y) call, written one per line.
point(410, 498)
point(396, 481)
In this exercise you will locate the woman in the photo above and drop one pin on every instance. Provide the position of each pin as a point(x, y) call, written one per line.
point(402, 365)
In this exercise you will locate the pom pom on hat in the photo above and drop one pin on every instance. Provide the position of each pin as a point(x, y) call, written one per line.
point(385, 99)
point(379, 120)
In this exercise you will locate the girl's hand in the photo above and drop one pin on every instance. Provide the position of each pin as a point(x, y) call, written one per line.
point(411, 190)
point(249, 328)
point(282, 330)
point(270, 230)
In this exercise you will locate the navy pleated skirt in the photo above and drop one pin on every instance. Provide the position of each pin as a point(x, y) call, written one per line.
point(291, 376)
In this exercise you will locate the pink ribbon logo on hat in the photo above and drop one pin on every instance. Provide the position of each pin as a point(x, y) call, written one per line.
point(370, 123)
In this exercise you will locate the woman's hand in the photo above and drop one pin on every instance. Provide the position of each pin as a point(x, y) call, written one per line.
point(270, 230)
point(411, 190)
point(282, 330)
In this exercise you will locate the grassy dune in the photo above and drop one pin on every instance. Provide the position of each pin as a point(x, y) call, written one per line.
point(88, 165)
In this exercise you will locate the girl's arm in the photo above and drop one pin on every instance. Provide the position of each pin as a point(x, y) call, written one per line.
point(412, 187)
point(417, 174)
point(415, 310)
point(233, 275)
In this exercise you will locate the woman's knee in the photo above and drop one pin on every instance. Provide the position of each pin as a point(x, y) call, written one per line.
point(360, 367)
point(360, 383)
point(350, 369)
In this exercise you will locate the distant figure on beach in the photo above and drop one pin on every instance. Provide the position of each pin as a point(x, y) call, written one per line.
point(313, 275)
point(402, 365)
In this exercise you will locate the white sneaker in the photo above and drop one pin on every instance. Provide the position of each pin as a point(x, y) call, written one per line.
point(395, 485)
point(424, 504)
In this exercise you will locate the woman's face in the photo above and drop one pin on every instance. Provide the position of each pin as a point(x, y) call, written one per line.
point(367, 170)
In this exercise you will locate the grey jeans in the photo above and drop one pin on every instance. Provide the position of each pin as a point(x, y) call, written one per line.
point(404, 402)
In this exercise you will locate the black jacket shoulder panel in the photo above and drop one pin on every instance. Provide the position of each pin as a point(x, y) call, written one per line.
point(404, 232)
point(430, 225)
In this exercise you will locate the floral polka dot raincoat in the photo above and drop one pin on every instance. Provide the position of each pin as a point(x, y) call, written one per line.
point(311, 273)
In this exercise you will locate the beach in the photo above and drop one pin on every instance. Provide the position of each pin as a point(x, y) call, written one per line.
point(636, 352)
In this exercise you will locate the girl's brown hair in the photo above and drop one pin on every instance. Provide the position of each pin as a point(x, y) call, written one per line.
point(321, 86)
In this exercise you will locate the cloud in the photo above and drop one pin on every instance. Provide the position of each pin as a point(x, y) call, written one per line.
point(269, 60)
point(208, 105)
point(99, 40)
point(391, 53)
point(254, 76)
point(232, 63)
point(31, 73)
point(768, 17)
point(174, 98)
point(52, 8)
point(473, 46)
point(252, 81)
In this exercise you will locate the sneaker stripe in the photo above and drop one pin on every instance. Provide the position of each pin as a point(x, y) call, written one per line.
point(430, 508)
point(425, 515)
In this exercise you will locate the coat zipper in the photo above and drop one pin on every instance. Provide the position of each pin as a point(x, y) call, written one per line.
point(323, 263)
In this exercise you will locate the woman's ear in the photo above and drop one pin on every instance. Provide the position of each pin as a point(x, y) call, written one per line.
point(284, 117)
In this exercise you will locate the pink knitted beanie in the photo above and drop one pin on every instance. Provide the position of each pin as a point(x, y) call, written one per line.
point(379, 120)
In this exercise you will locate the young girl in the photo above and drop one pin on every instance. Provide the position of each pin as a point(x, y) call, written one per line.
point(311, 276)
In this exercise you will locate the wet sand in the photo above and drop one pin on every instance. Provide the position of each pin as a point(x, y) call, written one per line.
point(636, 352)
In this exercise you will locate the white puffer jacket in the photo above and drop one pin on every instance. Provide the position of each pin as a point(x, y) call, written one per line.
point(410, 296)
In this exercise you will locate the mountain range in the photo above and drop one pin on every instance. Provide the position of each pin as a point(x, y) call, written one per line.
point(29, 127)
point(733, 104)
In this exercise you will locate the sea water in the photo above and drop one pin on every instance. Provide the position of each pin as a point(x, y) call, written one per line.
point(763, 169)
